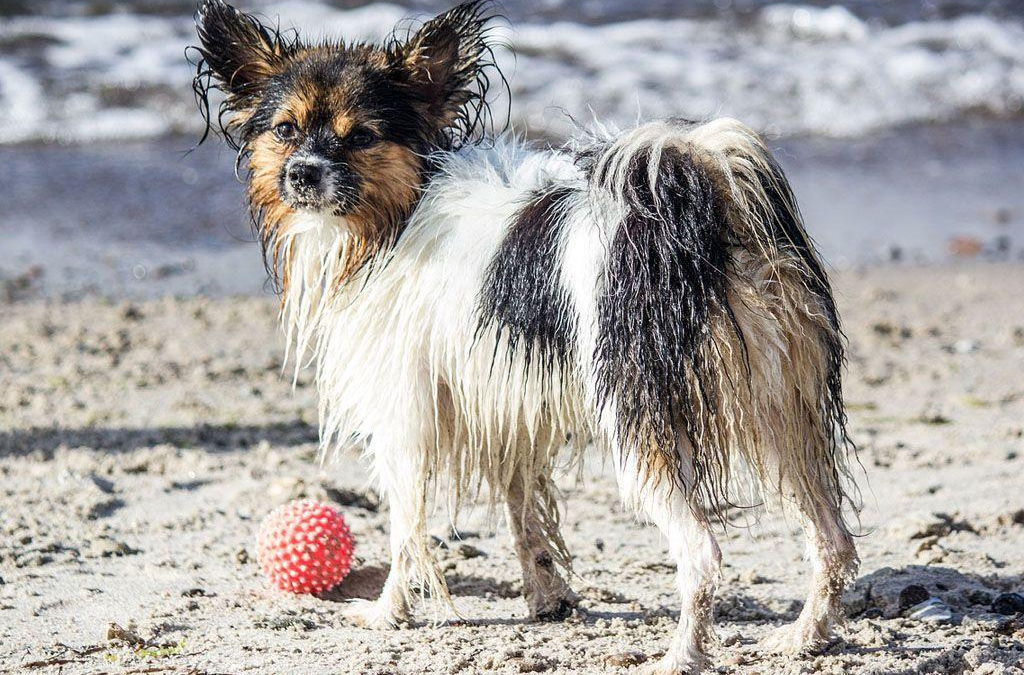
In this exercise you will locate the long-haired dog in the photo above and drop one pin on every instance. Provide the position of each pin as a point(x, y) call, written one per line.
point(475, 306)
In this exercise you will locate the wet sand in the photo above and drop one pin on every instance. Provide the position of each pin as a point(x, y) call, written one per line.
point(142, 441)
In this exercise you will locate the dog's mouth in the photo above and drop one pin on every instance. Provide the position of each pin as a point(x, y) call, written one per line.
point(339, 202)
point(307, 201)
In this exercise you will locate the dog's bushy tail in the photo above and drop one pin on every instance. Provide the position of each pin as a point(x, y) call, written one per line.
point(718, 336)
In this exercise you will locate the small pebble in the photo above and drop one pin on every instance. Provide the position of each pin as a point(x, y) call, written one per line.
point(105, 547)
point(931, 610)
point(469, 551)
point(736, 660)
point(115, 633)
point(731, 640)
point(625, 659)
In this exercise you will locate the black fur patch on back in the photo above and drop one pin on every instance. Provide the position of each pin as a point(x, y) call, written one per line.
point(522, 292)
point(665, 285)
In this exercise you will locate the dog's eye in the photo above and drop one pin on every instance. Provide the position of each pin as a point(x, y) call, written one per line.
point(361, 138)
point(286, 131)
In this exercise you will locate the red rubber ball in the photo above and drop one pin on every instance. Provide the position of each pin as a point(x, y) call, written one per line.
point(304, 546)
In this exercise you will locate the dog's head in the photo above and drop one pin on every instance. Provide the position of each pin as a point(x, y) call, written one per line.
point(342, 129)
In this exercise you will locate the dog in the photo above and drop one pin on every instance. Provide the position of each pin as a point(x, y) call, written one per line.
point(476, 306)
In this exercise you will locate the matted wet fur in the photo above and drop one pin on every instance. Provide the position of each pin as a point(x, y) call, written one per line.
point(475, 309)
point(428, 91)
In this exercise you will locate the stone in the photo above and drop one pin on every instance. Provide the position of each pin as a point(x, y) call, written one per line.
point(912, 595)
point(1008, 604)
point(932, 610)
point(625, 659)
point(468, 551)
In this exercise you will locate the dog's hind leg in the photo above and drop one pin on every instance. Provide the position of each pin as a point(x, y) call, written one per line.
point(797, 442)
point(834, 562)
point(404, 478)
point(650, 486)
point(532, 514)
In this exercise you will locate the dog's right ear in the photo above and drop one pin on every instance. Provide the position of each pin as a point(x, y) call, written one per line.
point(241, 52)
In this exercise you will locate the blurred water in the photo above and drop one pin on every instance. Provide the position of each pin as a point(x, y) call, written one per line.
point(141, 219)
point(586, 11)
point(82, 71)
point(901, 122)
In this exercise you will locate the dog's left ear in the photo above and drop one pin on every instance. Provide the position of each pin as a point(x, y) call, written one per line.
point(442, 63)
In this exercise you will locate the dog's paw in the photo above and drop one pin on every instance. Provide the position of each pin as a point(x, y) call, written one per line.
point(376, 614)
point(559, 609)
point(676, 664)
point(794, 640)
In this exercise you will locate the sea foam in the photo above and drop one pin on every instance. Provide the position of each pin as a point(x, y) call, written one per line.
point(793, 69)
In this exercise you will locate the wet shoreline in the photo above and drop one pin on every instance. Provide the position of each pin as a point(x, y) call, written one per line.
point(146, 219)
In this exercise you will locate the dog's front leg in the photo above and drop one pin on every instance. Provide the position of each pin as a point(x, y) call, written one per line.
point(402, 472)
point(533, 522)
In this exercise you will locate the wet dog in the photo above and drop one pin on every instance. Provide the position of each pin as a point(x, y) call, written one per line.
point(476, 306)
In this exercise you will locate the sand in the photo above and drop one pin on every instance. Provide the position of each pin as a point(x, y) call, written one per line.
point(141, 443)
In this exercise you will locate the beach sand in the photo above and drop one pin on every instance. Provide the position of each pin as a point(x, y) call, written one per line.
point(142, 442)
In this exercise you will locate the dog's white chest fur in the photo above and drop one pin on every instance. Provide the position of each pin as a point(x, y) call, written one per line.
point(401, 344)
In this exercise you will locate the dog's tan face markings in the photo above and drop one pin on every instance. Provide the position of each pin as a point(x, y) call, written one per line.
point(303, 107)
point(378, 175)
point(330, 121)
point(340, 129)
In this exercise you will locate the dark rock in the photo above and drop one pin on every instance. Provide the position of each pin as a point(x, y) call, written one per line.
point(1008, 604)
point(979, 597)
point(105, 486)
point(911, 595)
point(132, 313)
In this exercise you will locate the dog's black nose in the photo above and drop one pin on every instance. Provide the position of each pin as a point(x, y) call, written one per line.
point(305, 174)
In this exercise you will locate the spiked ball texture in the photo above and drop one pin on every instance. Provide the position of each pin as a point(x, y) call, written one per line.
point(304, 546)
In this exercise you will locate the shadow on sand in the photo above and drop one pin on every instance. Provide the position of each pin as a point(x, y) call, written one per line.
point(969, 596)
point(209, 437)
